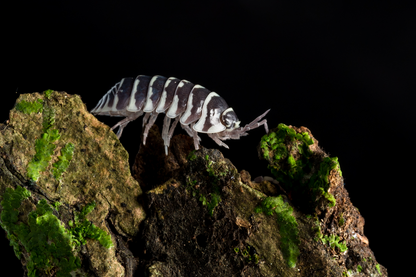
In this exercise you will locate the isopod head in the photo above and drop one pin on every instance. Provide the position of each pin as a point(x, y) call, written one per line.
point(229, 119)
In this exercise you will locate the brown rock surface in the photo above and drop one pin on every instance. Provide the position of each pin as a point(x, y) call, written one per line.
point(197, 214)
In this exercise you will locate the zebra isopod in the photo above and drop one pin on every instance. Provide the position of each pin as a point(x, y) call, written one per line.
point(197, 109)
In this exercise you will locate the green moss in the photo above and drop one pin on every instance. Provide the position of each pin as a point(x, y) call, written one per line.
point(83, 229)
point(341, 220)
point(378, 268)
point(44, 146)
point(203, 199)
point(192, 155)
point(49, 244)
point(48, 118)
point(292, 163)
point(44, 149)
point(245, 252)
point(319, 182)
point(256, 258)
point(333, 241)
point(317, 229)
point(11, 203)
point(63, 161)
point(53, 246)
point(213, 199)
point(215, 194)
point(359, 268)
point(57, 205)
point(48, 93)
point(30, 107)
point(288, 226)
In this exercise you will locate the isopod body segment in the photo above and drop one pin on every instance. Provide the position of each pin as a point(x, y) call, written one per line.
point(197, 109)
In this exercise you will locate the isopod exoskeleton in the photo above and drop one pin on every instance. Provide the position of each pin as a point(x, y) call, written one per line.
point(196, 108)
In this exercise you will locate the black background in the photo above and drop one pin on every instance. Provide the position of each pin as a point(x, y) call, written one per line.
point(344, 70)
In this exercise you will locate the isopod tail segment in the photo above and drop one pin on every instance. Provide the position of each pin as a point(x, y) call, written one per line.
point(194, 107)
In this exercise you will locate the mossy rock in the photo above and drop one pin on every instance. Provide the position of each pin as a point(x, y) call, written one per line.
point(56, 150)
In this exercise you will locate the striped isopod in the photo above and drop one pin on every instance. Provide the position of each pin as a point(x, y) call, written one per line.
point(197, 109)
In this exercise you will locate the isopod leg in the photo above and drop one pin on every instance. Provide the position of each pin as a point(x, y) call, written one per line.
point(149, 125)
point(187, 129)
point(255, 124)
point(169, 135)
point(165, 131)
point(123, 123)
point(190, 131)
point(216, 138)
point(195, 136)
point(120, 129)
point(145, 118)
point(172, 128)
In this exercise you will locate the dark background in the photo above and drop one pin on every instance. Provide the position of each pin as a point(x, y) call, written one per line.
point(344, 70)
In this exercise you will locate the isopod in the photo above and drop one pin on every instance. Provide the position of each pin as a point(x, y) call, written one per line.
point(198, 109)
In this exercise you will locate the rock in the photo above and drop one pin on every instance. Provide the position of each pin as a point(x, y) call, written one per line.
point(32, 147)
point(197, 215)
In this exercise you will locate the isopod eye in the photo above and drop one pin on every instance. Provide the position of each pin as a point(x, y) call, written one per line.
point(229, 119)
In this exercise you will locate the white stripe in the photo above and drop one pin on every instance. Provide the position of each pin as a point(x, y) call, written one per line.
point(114, 107)
point(173, 108)
point(149, 107)
point(160, 107)
point(131, 107)
point(182, 83)
point(187, 112)
point(214, 118)
point(105, 108)
point(116, 98)
point(189, 105)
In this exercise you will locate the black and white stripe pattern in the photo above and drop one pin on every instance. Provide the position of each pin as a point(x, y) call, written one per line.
point(195, 107)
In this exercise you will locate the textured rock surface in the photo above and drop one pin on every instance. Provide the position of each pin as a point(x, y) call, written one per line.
point(99, 171)
point(180, 237)
point(197, 215)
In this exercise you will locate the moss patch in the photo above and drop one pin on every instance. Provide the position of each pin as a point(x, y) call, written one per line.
point(44, 146)
point(10, 203)
point(296, 167)
point(45, 239)
point(288, 227)
point(48, 93)
point(98, 170)
point(50, 245)
point(83, 229)
point(213, 198)
point(63, 161)
point(28, 107)
point(333, 241)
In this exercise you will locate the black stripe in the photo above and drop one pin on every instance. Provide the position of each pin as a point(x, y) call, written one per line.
point(170, 92)
point(216, 103)
point(199, 96)
point(157, 89)
point(183, 94)
point(124, 93)
point(141, 92)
